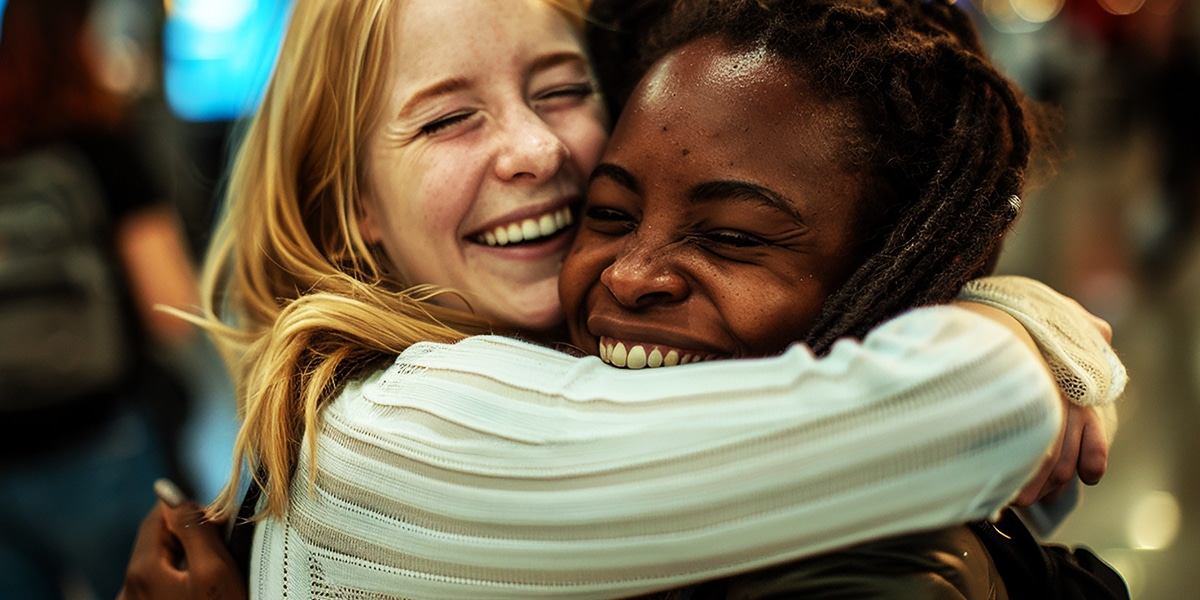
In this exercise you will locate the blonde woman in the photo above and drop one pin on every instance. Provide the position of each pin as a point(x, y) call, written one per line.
point(397, 189)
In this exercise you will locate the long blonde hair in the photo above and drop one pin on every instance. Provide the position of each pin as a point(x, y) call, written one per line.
point(294, 297)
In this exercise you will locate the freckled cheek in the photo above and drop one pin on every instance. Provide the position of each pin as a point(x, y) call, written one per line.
point(445, 194)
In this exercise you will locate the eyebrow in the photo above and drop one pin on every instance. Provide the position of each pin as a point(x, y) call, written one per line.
point(619, 176)
point(709, 191)
point(445, 86)
point(712, 191)
point(454, 84)
point(555, 59)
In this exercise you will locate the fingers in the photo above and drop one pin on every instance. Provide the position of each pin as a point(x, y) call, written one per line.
point(199, 536)
point(154, 560)
point(179, 554)
point(1032, 490)
point(169, 493)
point(1082, 451)
point(1053, 495)
point(1068, 459)
point(1093, 453)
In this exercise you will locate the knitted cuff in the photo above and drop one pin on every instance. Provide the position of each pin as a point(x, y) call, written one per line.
point(1085, 366)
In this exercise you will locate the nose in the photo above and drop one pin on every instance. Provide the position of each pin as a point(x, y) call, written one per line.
point(532, 150)
point(644, 274)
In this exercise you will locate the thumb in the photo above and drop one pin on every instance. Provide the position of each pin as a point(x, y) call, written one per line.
point(188, 522)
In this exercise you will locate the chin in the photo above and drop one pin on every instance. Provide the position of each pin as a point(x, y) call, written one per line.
point(527, 319)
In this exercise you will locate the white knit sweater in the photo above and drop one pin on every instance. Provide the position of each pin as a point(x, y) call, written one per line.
point(493, 468)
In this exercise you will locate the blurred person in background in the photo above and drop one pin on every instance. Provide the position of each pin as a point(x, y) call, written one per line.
point(87, 248)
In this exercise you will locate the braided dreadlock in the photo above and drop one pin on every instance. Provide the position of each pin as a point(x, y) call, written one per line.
point(942, 133)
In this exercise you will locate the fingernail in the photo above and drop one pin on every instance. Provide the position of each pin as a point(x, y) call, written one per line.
point(168, 492)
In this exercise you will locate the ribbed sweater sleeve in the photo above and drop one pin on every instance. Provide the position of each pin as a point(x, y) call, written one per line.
point(492, 468)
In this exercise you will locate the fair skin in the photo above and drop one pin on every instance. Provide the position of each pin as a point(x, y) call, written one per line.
point(416, 189)
point(481, 158)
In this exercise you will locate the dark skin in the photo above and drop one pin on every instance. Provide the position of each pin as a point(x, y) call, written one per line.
point(670, 243)
point(714, 250)
point(180, 554)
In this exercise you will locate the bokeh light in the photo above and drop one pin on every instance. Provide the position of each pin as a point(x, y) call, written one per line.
point(1154, 521)
point(1163, 7)
point(219, 54)
point(1122, 7)
point(1037, 11)
point(1004, 17)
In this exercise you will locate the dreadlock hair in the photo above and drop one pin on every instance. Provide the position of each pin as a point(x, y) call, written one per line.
point(943, 135)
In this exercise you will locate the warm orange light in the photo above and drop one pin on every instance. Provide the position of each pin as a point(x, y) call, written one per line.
point(1163, 7)
point(1122, 7)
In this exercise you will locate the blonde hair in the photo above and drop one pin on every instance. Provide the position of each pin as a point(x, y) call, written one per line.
point(294, 297)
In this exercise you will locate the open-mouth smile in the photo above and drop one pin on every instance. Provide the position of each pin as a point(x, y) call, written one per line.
point(527, 230)
point(638, 355)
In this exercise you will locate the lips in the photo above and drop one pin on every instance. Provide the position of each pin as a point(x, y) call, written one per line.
point(529, 229)
point(640, 355)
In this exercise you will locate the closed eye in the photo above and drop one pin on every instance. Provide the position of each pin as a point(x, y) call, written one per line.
point(608, 220)
point(444, 122)
point(580, 90)
point(736, 239)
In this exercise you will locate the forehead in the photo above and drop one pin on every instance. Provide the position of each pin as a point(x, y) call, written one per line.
point(435, 38)
point(743, 114)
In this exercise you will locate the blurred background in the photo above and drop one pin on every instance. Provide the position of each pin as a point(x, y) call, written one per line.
point(1114, 226)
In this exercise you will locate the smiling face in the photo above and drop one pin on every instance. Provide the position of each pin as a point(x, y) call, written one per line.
point(720, 218)
point(488, 132)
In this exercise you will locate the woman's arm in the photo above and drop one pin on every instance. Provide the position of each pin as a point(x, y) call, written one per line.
point(187, 579)
point(1077, 346)
point(493, 468)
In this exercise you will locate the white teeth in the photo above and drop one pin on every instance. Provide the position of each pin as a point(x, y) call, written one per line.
point(530, 230)
point(636, 357)
point(618, 356)
point(527, 229)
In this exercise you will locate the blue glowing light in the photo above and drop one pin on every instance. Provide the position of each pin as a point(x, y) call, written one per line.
point(2, 3)
point(219, 54)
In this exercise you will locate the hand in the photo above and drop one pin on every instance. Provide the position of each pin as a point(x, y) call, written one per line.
point(179, 554)
point(1082, 449)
